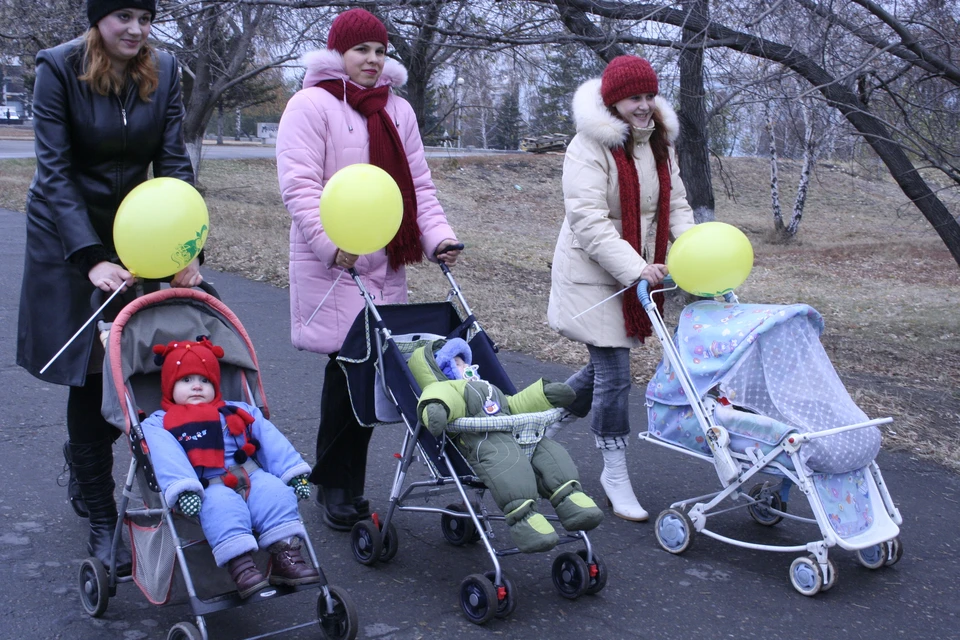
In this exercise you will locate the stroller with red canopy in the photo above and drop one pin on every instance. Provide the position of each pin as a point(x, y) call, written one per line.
point(170, 554)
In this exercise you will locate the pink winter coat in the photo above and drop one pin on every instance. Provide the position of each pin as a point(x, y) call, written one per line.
point(318, 135)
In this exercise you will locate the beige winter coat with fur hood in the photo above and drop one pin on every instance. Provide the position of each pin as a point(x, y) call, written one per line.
point(592, 260)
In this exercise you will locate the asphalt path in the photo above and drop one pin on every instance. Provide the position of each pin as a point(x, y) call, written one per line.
point(712, 591)
point(10, 149)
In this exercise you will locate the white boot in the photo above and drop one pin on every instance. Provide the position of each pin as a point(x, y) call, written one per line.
point(616, 481)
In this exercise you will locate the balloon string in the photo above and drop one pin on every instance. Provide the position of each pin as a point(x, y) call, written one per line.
point(89, 320)
point(324, 298)
point(600, 303)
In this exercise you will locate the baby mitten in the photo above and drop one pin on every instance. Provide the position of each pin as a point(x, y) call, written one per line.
point(435, 417)
point(558, 394)
point(189, 503)
point(301, 486)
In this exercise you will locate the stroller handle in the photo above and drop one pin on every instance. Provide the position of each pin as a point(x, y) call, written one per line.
point(99, 295)
point(643, 290)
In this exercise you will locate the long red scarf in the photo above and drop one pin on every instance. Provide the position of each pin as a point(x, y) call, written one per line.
point(386, 152)
point(635, 319)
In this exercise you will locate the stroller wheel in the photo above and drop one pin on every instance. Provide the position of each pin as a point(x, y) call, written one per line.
point(895, 552)
point(874, 557)
point(597, 571)
point(390, 543)
point(184, 631)
point(457, 531)
point(478, 598)
point(571, 575)
point(367, 543)
point(766, 500)
point(674, 530)
point(339, 621)
point(805, 575)
point(506, 593)
point(93, 587)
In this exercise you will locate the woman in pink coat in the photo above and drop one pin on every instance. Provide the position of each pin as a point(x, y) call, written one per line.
point(346, 114)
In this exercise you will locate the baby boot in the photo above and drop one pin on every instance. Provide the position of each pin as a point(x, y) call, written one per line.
point(244, 572)
point(531, 532)
point(288, 565)
point(577, 511)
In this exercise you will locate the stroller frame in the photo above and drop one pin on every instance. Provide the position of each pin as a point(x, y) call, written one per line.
point(482, 596)
point(675, 527)
point(335, 609)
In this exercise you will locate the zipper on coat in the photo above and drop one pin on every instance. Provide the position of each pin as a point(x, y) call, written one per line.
point(123, 147)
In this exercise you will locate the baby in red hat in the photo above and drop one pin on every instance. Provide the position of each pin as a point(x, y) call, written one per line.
point(229, 465)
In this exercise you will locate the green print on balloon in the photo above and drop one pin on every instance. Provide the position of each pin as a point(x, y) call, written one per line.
point(186, 252)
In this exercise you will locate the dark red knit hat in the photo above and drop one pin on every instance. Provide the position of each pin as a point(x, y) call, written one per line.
point(352, 27)
point(627, 76)
point(183, 358)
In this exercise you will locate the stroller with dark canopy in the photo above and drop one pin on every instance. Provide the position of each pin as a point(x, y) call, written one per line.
point(170, 554)
point(383, 391)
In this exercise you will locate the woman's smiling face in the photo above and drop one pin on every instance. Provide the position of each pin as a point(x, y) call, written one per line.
point(364, 63)
point(637, 111)
point(123, 33)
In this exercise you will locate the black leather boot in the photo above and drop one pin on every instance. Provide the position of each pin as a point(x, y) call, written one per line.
point(93, 467)
point(73, 489)
point(338, 511)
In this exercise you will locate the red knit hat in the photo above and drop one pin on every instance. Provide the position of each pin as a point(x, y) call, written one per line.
point(182, 358)
point(627, 76)
point(352, 27)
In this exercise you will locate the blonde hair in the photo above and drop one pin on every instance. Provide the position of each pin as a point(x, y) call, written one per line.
point(99, 73)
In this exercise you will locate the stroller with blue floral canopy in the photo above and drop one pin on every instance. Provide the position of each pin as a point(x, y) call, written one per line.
point(383, 391)
point(750, 389)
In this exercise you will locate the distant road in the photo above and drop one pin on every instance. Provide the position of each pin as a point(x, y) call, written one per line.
point(24, 149)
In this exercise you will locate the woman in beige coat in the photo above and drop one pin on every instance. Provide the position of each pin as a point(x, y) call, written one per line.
point(624, 199)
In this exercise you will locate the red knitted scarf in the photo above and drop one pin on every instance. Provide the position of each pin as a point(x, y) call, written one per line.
point(386, 152)
point(197, 428)
point(635, 319)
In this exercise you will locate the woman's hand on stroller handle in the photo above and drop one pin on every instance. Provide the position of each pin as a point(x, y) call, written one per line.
point(448, 251)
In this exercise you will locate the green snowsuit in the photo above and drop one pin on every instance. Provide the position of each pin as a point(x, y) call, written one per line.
point(500, 457)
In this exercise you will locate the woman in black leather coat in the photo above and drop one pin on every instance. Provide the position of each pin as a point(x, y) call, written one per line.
point(106, 107)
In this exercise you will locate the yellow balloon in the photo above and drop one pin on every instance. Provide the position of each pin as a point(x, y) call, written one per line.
point(361, 208)
point(160, 227)
point(710, 259)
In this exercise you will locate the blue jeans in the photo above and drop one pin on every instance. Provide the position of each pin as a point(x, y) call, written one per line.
point(603, 386)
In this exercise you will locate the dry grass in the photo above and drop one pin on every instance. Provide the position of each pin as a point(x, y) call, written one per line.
point(887, 286)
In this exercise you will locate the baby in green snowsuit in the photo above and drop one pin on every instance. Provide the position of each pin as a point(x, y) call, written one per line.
point(516, 463)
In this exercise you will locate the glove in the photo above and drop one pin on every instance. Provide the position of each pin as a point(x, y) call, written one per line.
point(189, 503)
point(435, 417)
point(558, 394)
point(301, 487)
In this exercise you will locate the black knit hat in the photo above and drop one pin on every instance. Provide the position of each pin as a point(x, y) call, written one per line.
point(97, 9)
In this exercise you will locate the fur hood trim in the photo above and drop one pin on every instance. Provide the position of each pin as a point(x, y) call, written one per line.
point(327, 64)
point(595, 121)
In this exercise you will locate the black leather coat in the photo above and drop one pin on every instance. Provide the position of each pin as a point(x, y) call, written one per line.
point(92, 150)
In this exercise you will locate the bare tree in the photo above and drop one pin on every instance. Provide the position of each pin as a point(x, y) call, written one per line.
point(837, 91)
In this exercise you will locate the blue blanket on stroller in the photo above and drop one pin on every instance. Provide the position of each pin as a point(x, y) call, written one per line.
point(768, 360)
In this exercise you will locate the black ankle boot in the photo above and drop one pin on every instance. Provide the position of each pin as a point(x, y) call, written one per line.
point(93, 467)
point(73, 489)
point(338, 511)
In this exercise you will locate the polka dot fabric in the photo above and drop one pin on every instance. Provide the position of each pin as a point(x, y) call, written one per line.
point(768, 359)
